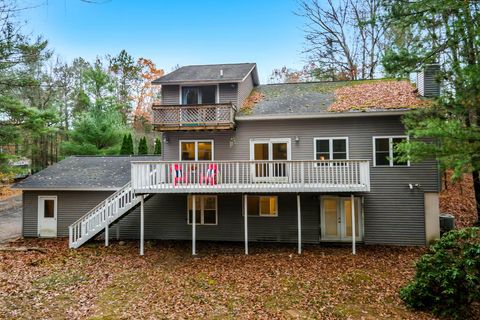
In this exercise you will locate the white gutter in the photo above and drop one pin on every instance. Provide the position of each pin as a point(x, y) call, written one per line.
point(321, 115)
point(64, 189)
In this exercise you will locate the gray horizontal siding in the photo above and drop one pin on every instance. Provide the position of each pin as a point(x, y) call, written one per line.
point(71, 205)
point(170, 94)
point(166, 218)
point(228, 93)
point(392, 213)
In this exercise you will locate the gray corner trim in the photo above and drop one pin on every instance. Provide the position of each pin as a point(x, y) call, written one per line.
point(322, 115)
point(249, 72)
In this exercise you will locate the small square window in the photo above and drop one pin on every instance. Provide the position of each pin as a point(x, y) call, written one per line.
point(205, 208)
point(384, 151)
point(262, 206)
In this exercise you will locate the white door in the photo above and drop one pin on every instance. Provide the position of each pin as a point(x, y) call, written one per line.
point(47, 216)
point(336, 219)
point(275, 150)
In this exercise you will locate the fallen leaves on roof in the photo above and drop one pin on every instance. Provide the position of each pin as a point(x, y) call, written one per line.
point(378, 95)
point(458, 199)
point(254, 97)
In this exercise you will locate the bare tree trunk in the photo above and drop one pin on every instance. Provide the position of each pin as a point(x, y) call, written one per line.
point(476, 189)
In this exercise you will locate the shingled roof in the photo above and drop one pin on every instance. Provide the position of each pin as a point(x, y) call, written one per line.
point(345, 97)
point(218, 73)
point(84, 173)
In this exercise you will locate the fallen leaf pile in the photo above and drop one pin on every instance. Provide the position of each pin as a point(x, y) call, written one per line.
point(250, 101)
point(458, 199)
point(273, 282)
point(7, 192)
point(377, 95)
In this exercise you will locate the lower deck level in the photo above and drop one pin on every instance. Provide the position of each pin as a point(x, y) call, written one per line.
point(400, 219)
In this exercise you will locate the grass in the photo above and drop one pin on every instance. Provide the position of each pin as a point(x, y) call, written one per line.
point(95, 282)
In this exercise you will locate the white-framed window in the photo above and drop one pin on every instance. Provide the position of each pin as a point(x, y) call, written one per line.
point(262, 206)
point(196, 150)
point(335, 148)
point(206, 209)
point(384, 151)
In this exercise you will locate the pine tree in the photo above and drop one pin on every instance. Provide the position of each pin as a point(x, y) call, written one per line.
point(158, 146)
point(129, 149)
point(123, 149)
point(445, 31)
point(142, 146)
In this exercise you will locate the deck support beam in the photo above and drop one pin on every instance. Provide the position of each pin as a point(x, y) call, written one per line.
point(142, 222)
point(194, 226)
point(106, 233)
point(352, 201)
point(299, 222)
point(245, 221)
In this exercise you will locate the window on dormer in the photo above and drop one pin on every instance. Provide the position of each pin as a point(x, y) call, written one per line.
point(199, 95)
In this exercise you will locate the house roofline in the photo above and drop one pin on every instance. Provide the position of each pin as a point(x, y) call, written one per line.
point(321, 115)
point(63, 189)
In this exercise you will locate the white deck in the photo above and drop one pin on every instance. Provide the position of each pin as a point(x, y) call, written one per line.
point(250, 176)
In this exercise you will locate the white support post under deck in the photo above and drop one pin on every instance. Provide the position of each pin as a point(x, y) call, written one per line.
point(245, 222)
point(299, 224)
point(106, 233)
point(194, 225)
point(142, 222)
point(352, 200)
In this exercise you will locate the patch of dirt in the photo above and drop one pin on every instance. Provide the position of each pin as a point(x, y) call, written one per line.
point(6, 192)
point(273, 282)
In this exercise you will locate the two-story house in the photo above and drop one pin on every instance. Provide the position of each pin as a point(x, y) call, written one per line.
point(295, 162)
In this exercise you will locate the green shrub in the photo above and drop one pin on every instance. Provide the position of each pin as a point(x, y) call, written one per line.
point(142, 146)
point(447, 278)
point(158, 146)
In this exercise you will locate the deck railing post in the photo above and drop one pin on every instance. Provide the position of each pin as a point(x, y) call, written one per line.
point(70, 236)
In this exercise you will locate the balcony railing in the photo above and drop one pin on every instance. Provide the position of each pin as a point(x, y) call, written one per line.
point(250, 176)
point(194, 117)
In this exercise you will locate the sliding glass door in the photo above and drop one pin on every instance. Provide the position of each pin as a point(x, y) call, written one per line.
point(276, 152)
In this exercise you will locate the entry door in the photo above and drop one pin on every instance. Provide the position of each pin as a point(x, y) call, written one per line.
point(270, 150)
point(336, 219)
point(47, 216)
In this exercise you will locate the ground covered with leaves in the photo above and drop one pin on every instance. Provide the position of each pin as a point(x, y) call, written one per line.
point(458, 199)
point(95, 282)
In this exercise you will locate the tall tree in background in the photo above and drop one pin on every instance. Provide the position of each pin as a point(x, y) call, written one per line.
point(446, 32)
point(27, 114)
point(100, 128)
point(146, 94)
point(344, 38)
point(125, 72)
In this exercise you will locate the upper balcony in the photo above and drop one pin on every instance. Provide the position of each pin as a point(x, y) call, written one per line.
point(215, 116)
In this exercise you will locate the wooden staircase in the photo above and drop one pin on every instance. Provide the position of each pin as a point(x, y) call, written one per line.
point(103, 215)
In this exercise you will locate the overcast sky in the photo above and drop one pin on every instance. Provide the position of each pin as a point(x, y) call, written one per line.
point(173, 32)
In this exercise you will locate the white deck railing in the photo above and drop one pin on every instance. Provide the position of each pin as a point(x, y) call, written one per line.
point(102, 215)
point(250, 176)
